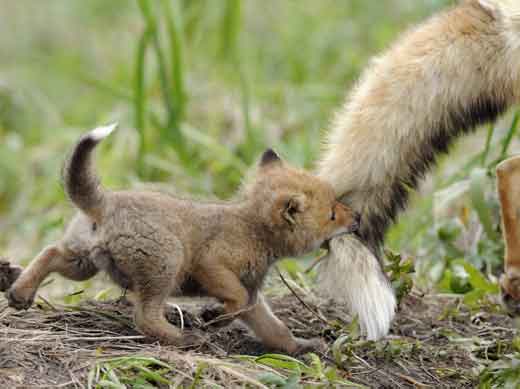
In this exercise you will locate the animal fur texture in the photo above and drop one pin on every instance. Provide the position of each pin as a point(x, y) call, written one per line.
point(508, 188)
point(157, 245)
point(458, 70)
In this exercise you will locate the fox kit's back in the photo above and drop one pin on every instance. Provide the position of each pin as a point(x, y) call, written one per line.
point(157, 245)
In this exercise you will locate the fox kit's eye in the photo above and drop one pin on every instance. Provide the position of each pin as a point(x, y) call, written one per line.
point(333, 215)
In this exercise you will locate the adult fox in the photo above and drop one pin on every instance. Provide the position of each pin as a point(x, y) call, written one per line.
point(459, 69)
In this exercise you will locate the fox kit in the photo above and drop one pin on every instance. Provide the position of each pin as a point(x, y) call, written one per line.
point(157, 245)
point(443, 78)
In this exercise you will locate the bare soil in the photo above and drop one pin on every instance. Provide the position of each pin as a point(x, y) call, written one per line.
point(435, 342)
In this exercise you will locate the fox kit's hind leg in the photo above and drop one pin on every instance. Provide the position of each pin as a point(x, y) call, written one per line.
point(154, 279)
point(508, 185)
point(51, 259)
point(149, 313)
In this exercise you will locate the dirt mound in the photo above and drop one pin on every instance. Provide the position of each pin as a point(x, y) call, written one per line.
point(435, 342)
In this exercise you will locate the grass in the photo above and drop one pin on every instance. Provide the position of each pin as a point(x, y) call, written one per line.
point(437, 341)
point(200, 90)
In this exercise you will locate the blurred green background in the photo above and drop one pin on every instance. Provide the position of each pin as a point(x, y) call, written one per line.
point(200, 88)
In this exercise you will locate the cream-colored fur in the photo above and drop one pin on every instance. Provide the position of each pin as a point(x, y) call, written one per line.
point(457, 70)
point(360, 283)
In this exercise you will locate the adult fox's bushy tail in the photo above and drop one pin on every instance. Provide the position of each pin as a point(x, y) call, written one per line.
point(456, 71)
point(80, 181)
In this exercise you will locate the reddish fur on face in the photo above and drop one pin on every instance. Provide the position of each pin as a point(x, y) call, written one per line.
point(315, 214)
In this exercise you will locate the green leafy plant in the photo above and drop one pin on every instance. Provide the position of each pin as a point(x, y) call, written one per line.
point(400, 272)
point(170, 70)
point(139, 372)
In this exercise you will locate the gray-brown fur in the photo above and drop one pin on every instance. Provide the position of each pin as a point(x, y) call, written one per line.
point(82, 185)
point(157, 245)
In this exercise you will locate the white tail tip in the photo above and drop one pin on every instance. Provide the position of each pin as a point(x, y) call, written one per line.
point(352, 275)
point(102, 132)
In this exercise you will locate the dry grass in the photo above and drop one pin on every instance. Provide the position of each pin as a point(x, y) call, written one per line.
point(435, 343)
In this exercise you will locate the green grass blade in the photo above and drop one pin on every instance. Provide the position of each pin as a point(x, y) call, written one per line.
point(476, 278)
point(174, 25)
point(477, 190)
point(281, 361)
point(174, 108)
point(230, 27)
point(151, 375)
point(215, 149)
point(198, 374)
point(509, 136)
point(487, 147)
point(147, 361)
point(140, 95)
point(152, 25)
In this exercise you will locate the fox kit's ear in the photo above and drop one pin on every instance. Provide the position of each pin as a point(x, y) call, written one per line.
point(269, 157)
point(289, 206)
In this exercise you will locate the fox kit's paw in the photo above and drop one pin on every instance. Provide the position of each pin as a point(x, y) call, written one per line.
point(510, 288)
point(309, 345)
point(18, 301)
point(8, 274)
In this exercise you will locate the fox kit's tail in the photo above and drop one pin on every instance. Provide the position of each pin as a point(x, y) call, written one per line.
point(80, 181)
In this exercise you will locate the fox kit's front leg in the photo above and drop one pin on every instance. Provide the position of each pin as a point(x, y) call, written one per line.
point(223, 284)
point(508, 185)
point(273, 332)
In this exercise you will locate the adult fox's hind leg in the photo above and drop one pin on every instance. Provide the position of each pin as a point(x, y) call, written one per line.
point(508, 185)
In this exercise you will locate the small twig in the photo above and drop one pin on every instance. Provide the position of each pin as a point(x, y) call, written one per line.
point(368, 365)
point(228, 316)
point(429, 374)
point(410, 380)
point(103, 338)
point(123, 296)
point(181, 315)
point(51, 337)
point(315, 263)
point(63, 385)
point(47, 282)
point(315, 313)
point(47, 302)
